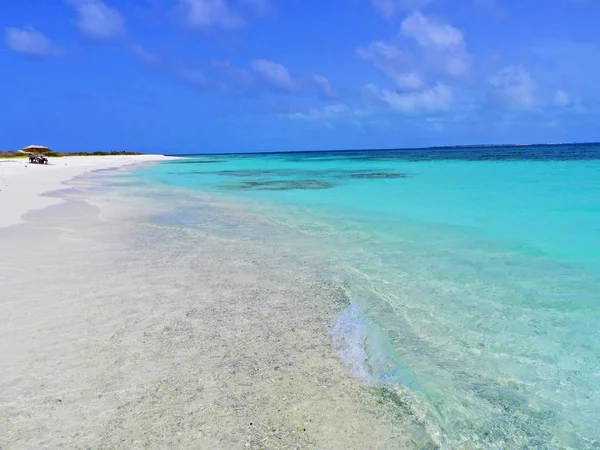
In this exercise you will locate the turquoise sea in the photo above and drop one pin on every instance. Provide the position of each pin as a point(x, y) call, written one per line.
point(472, 274)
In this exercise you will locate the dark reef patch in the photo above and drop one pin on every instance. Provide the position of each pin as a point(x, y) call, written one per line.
point(286, 179)
point(307, 174)
point(256, 172)
point(379, 175)
point(281, 185)
point(198, 161)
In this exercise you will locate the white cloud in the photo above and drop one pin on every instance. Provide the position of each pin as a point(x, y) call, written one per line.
point(429, 33)
point(30, 42)
point(513, 87)
point(325, 85)
point(393, 63)
point(409, 81)
point(275, 75)
point(437, 98)
point(204, 14)
point(98, 21)
point(389, 8)
point(424, 49)
point(442, 44)
point(561, 98)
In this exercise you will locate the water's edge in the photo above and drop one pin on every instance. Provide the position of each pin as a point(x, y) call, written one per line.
point(179, 335)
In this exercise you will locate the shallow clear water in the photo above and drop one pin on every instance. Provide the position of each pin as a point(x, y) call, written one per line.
point(474, 274)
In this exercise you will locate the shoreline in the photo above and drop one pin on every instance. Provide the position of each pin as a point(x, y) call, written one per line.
point(174, 326)
point(23, 185)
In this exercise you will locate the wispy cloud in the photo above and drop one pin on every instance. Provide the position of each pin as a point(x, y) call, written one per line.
point(330, 114)
point(97, 21)
point(275, 75)
point(219, 14)
point(193, 76)
point(143, 55)
point(425, 52)
point(30, 42)
point(420, 61)
point(390, 8)
point(323, 83)
point(393, 62)
point(233, 78)
point(206, 14)
point(326, 113)
point(441, 43)
point(561, 98)
point(410, 81)
point(259, 76)
point(513, 87)
point(436, 98)
point(429, 33)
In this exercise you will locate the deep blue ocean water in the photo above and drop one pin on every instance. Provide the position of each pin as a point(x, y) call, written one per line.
point(474, 274)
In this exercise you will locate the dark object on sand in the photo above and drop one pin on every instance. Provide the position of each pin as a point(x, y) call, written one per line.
point(36, 153)
point(38, 159)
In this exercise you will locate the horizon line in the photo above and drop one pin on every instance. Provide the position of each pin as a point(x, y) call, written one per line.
point(387, 149)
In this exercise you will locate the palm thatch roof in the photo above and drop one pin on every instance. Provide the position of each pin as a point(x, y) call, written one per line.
point(35, 149)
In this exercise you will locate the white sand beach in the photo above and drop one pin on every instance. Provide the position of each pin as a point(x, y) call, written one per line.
point(22, 183)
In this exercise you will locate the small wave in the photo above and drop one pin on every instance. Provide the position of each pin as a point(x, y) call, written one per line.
point(348, 333)
point(367, 351)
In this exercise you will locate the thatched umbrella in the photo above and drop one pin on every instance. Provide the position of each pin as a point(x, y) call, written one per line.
point(35, 149)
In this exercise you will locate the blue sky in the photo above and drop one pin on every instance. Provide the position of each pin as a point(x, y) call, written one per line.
point(273, 75)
